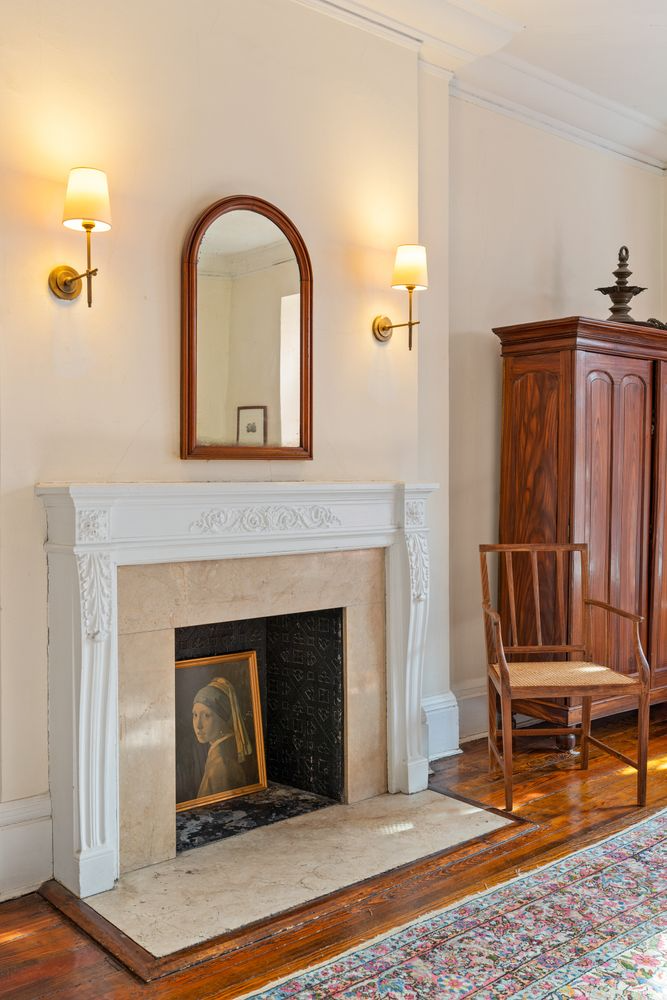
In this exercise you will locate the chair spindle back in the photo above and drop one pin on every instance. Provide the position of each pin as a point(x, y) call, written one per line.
point(519, 569)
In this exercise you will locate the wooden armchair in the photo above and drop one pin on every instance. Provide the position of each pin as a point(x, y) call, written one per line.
point(574, 674)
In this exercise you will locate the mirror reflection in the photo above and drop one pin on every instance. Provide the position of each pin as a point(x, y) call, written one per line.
point(248, 334)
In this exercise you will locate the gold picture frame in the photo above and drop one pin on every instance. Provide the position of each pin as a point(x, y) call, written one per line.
point(219, 732)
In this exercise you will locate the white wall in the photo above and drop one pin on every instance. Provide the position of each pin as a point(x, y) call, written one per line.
point(182, 105)
point(536, 223)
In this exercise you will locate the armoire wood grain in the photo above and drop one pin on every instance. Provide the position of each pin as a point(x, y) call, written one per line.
point(584, 459)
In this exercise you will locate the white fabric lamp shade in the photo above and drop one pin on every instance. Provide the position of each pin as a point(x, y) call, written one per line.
point(87, 199)
point(410, 267)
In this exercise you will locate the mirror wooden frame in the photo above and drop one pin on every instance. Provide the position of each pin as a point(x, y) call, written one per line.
point(189, 446)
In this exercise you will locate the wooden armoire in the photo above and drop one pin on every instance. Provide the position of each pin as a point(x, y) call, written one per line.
point(584, 459)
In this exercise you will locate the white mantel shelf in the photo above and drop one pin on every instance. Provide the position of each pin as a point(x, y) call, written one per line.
point(94, 528)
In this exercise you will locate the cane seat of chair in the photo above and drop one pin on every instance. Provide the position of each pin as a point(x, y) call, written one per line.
point(575, 674)
point(593, 678)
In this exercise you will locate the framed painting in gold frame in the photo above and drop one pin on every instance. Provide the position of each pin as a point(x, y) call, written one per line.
point(219, 738)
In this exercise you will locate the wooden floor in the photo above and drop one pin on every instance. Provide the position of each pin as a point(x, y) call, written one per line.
point(43, 955)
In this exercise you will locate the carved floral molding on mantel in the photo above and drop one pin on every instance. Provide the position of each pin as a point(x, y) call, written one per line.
point(92, 525)
point(279, 517)
point(415, 513)
point(93, 529)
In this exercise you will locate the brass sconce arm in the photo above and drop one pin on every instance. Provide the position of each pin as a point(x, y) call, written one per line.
point(65, 283)
point(383, 326)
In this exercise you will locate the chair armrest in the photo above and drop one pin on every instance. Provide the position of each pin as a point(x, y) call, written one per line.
point(615, 611)
point(643, 668)
point(496, 629)
point(491, 613)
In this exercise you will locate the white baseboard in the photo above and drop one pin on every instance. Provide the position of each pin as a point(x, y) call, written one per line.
point(442, 725)
point(474, 713)
point(26, 850)
point(473, 710)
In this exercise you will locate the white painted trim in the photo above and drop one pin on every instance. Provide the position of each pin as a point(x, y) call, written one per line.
point(588, 97)
point(26, 856)
point(433, 69)
point(449, 33)
point(561, 129)
point(475, 690)
point(463, 36)
point(30, 810)
point(473, 711)
point(441, 712)
point(519, 90)
point(93, 529)
point(353, 14)
point(473, 706)
point(472, 737)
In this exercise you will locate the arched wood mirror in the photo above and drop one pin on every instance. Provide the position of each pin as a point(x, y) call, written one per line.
point(246, 389)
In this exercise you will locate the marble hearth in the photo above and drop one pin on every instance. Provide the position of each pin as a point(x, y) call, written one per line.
point(130, 563)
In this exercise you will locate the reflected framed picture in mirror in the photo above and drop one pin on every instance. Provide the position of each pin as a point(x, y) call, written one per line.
point(246, 331)
point(251, 424)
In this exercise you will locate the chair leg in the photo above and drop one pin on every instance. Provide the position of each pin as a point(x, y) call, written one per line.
point(586, 705)
point(493, 725)
point(642, 745)
point(506, 713)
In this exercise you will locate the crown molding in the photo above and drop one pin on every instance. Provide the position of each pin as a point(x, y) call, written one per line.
point(464, 38)
point(447, 33)
point(520, 90)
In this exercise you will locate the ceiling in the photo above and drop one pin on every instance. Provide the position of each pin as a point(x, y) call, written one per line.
point(614, 48)
point(593, 70)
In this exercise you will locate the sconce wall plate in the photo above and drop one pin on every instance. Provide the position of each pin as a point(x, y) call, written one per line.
point(64, 282)
point(382, 328)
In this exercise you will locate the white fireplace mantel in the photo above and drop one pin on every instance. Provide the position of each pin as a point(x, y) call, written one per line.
point(94, 528)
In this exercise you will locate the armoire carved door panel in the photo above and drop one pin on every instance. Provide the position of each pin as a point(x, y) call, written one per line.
point(612, 490)
point(535, 498)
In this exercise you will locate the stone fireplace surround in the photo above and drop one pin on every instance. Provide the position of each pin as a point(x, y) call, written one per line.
point(153, 600)
point(96, 530)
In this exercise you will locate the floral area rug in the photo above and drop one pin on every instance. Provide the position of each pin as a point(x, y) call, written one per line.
point(590, 926)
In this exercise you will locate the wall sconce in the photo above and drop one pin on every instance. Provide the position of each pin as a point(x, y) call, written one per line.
point(86, 208)
point(410, 274)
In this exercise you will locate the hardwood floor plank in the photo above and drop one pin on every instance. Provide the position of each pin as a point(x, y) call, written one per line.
point(43, 956)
